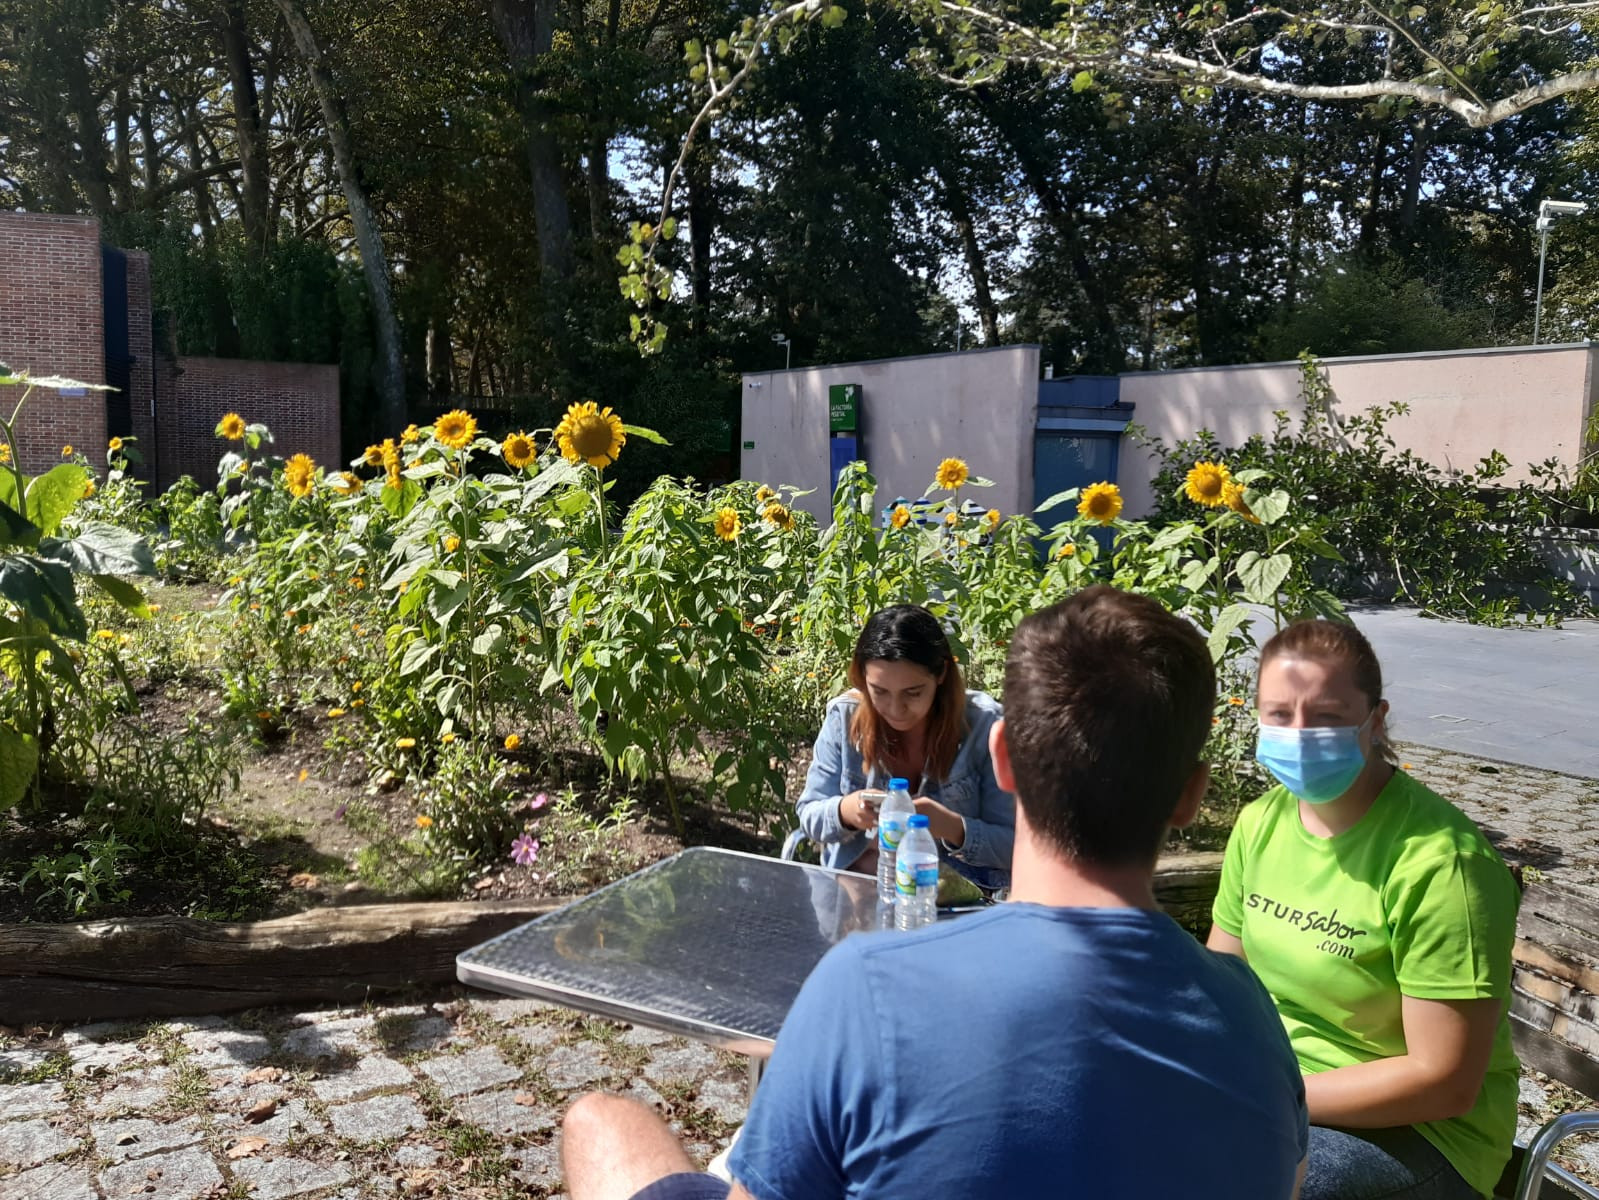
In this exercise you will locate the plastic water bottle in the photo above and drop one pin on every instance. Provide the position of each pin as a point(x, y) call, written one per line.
point(897, 809)
point(916, 875)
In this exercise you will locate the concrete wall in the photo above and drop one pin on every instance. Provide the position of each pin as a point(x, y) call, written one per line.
point(298, 401)
point(1530, 403)
point(979, 405)
point(51, 324)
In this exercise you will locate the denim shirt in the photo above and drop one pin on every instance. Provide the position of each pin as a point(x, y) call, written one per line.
point(970, 790)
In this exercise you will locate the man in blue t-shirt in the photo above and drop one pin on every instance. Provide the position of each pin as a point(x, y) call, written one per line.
point(1074, 1041)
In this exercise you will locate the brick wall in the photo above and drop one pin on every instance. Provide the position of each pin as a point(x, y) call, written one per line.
point(298, 401)
point(140, 336)
point(50, 324)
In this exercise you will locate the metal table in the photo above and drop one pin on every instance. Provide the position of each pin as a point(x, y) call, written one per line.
point(708, 944)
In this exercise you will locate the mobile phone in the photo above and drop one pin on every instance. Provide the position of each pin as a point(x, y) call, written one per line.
point(873, 799)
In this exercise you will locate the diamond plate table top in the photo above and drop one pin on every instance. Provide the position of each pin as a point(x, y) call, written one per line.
point(710, 944)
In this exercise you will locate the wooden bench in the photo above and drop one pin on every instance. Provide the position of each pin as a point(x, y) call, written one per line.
point(1554, 1023)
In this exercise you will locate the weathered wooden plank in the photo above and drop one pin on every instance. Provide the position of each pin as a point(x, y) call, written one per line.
point(1575, 1002)
point(1562, 906)
point(171, 966)
point(1553, 1021)
point(1554, 1058)
point(1558, 939)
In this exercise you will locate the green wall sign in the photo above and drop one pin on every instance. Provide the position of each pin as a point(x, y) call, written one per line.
point(843, 407)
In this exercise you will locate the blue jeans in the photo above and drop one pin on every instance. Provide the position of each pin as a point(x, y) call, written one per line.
point(1375, 1164)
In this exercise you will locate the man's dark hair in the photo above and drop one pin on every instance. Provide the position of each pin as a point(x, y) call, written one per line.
point(1108, 701)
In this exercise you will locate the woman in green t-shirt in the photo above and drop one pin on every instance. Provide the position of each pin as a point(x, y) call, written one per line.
point(1381, 921)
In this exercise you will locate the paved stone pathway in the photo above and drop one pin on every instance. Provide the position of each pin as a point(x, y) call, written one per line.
point(458, 1097)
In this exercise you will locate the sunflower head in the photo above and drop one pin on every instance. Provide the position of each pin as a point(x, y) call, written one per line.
point(591, 434)
point(231, 427)
point(373, 456)
point(89, 488)
point(993, 518)
point(900, 517)
point(114, 444)
point(5, 452)
point(1233, 497)
point(728, 524)
point(518, 450)
point(299, 475)
point(1067, 549)
point(950, 518)
point(66, 451)
point(389, 455)
point(452, 544)
point(345, 482)
point(1100, 502)
point(952, 473)
point(1207, 483)
point(779, 515)
point(411, 434)
point(456, 428)
point(763, 494)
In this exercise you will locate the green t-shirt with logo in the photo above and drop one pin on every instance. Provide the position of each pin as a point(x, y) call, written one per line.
point(1411, 901)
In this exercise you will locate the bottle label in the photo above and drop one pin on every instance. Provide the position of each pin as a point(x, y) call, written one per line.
point(909, 879)
point(890, 832)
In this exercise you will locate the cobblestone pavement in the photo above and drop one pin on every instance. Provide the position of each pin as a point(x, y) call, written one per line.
point(462, 1095)
point(458, 1097)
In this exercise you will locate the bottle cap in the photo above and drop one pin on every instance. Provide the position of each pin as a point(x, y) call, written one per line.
point(899, 785)
point(918, 822)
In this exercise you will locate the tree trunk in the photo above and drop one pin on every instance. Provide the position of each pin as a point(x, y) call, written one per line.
point(374, 264)
point(150, 152)
point(960, 210)
point(599, 187)
point(1415, 169)
point(700, 178)
point(440, 356)
point(248, 133)
point(527, 30)
point(1370, 219)
point(122, 125)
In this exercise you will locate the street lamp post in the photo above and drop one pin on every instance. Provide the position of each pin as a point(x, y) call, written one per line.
point(783, 340)
point(1549, 211)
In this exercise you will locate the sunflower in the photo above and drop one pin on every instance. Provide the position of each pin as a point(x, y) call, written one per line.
point(1066, 550)
point(411, 434)
point(950, 518)
point(452, 544)
point(1207, 483)
point(373, 456)
point(89, 489)
point(900, 517)
point(763, 494)
point(231, 427)
point(345, 482)
point(728, 524)
point(114, 445)
point(5, 452)
point(1101, 502)
point(518, 450)
point(993, 517)
point(424, 821)
point(591, 434)
point(456, 429)
point(66, 451)
point(299, 474)
point(405, 743)
point(952, 473)
point(512, 741)
point(780, 516)
point(1233, 497)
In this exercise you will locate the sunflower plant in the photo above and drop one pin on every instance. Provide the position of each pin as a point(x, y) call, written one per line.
point(41, 563)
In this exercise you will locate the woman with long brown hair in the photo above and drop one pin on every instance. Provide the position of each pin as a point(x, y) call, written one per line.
point(909, 715)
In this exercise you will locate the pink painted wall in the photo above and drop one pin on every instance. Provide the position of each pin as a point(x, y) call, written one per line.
point(1529, 403)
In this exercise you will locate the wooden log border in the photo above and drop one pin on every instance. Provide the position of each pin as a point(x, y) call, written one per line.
point(175, 966)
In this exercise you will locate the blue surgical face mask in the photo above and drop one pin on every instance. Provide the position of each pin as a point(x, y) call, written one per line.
point(1316, 765)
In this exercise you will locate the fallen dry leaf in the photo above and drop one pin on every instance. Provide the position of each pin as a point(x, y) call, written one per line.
point(261, 1075)
point(261, 1112)
point(525, 1099)
point(486, 882)
point(304, 880)
point(245, 1147)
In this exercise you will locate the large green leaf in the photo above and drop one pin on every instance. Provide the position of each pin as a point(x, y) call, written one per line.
point(649, 435)
point(124, 593)
point(1229, 619)
point(43, 590)
point(101, 549)
point(1262, 577)
point(15, 529)
point(54, 494)
point(19, 762)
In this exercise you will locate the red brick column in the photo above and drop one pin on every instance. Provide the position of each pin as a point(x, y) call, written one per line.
point(51, 324)
point(140, 345)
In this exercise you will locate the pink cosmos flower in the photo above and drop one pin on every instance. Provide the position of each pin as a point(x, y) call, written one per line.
point(525, 850)
point(538, 801)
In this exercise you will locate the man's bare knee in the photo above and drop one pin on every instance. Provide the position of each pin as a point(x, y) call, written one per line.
point(611, 1146)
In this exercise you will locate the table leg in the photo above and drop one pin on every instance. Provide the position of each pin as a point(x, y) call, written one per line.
point(757, 1069)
